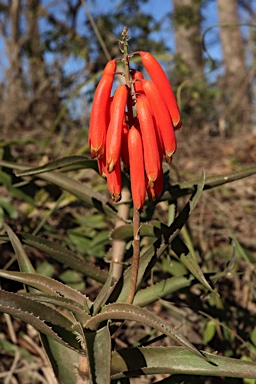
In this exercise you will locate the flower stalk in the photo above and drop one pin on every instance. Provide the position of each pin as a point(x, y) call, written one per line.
point(137, 126)
point(136, 255)
point(136, 212)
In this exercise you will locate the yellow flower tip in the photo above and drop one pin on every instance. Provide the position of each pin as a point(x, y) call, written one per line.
point(178, 125)
point(97, 152)
point(93, 154)
point(111, 166)
point(151, 194)
point(116, 197)
point(151, 183)
point(168, 157)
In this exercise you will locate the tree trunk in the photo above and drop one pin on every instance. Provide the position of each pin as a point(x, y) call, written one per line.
point(187, 19)
point(29, 98)
point(44, 102)
point(13, 102)
point(189, 65)
point(235, 83)
point(35, 52)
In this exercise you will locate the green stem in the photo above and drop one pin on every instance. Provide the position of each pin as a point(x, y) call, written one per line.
point(126, 57)
point(127, 75)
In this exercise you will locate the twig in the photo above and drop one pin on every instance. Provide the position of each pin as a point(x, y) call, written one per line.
point(14, 365)
point(96, 30)
point(10, 326)
point(45, 365)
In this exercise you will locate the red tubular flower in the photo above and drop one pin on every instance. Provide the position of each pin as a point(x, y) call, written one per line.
point(154, 192)
point(137, 170)
point(137, 77)
point(159, 140)
point(162, 117)
point(124, 146)
point(102, 165)
point(148, 134)
point(160, 79)
point(99, 114)
point(114, 179)
point(114, 132)
point(115, 182)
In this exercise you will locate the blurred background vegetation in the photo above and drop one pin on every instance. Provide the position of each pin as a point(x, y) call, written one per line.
point(51, 61)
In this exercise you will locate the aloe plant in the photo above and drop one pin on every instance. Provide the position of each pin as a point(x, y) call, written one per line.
point(78, 339)
point(79, 333)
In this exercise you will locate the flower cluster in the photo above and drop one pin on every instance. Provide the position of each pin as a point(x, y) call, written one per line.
point(136, 125)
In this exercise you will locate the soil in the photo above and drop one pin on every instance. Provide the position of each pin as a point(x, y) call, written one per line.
point(232, 206)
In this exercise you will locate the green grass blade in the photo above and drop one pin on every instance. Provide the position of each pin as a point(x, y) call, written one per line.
point(61, 302)
point(182, 252)
point(183, 189)
point(47, 285)
point(102, 355)
point(44, 318)
point(159, 290)
point(69, 163)
point(177, 361)
point(23, 260)
point(82, 191)
point(121, 311)
point(65, 256)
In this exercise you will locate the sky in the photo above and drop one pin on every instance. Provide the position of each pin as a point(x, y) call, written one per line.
point(157, 8)
point(159, 13)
